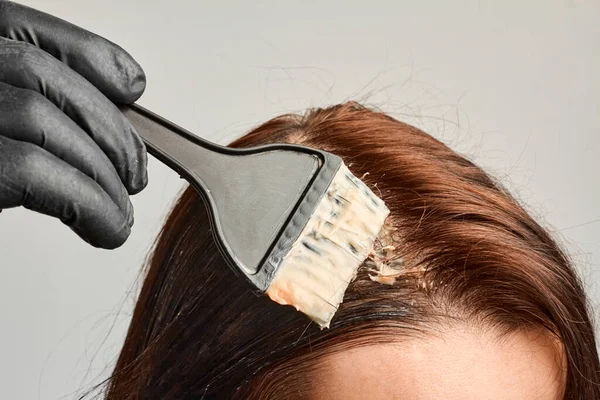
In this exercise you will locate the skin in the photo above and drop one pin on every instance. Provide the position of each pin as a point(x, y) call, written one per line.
point(459, 363)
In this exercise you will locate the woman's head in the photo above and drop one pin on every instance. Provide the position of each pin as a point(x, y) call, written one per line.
point(479, 299)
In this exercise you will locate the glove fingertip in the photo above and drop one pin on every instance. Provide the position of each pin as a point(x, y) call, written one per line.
point(139, 183)
point(108, 242)
point(132, 78)
point(138, 86)
point(105, 232)
point(137, 173)
point(119, 239)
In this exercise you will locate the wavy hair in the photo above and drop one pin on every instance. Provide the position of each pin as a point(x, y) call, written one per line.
point(462, 247)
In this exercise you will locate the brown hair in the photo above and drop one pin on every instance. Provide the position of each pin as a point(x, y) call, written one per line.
point(469, 252)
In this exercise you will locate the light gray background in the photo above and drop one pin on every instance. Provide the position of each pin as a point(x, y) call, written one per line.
point(512, 84)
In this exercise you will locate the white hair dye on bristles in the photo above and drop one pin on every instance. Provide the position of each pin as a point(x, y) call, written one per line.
point(337, 239)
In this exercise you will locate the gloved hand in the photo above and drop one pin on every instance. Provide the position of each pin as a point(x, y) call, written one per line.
point(65, 148)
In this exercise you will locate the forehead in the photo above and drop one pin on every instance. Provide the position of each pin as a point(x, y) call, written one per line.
point(456, 364)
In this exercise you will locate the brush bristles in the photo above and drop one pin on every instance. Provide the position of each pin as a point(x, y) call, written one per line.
point(337, 239)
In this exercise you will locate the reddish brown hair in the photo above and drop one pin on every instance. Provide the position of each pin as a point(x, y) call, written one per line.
point(470, 252)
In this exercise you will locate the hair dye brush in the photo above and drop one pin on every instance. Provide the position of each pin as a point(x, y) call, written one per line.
point(292, 220)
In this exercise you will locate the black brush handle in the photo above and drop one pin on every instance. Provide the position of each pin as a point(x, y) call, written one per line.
point(255, 196)
point(176, 147)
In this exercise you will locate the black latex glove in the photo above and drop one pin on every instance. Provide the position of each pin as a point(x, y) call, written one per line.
point(65, 148)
